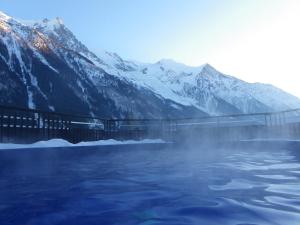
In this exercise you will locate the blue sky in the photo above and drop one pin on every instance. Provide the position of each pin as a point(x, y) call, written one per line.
point(255, 40)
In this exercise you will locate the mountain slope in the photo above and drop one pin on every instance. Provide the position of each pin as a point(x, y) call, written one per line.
point(44, 66)
point(208, 89)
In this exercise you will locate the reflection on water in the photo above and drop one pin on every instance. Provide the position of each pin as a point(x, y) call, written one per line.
point(168, 186)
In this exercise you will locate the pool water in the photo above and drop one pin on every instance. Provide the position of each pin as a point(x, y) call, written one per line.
point(202, 186)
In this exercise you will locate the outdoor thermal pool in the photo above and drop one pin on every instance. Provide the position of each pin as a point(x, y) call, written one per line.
point(143, 185)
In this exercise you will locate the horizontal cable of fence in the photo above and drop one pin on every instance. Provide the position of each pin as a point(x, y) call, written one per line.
point(28, 125)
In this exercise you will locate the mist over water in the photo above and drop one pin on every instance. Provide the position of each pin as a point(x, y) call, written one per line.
point(203, 185)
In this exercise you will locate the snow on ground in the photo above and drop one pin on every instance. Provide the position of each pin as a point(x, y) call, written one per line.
point(54, 143)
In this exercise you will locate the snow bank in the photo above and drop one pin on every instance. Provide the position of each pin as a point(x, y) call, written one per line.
point(54, 143)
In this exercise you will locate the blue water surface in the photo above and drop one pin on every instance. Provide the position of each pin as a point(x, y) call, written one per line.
point(201, 186)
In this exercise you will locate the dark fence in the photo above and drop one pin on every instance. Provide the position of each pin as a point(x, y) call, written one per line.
point(27, 126)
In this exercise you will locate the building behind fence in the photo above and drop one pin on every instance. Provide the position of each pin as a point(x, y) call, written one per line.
point(27, 126)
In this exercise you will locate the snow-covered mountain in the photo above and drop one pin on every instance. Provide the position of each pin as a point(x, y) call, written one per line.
point(210, 90)
point(44, 66)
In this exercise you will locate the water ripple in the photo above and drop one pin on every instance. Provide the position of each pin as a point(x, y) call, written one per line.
point(170, 187)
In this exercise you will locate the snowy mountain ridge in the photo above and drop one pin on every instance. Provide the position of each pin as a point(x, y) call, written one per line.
point(44, 55)
point(202, 86)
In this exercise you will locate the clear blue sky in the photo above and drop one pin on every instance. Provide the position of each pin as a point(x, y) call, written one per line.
point(142, 29)
point(255, 40)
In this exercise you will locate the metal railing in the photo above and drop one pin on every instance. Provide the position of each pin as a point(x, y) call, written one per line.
point(29, 125)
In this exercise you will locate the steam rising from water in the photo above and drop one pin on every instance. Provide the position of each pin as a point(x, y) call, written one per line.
point(150, 186)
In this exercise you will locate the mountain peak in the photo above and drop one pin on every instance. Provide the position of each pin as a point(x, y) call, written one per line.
point(50, 24)
point(59, 20)
point(56, 21)
point(208, 66)
point(167, 61)
point(171, 64)
point(4, 17)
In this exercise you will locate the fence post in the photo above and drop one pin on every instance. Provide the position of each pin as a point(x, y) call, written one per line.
point(1, 125)
point(266, 121)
